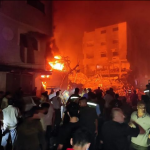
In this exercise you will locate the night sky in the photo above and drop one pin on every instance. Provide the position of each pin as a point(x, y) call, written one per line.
point(72, 18)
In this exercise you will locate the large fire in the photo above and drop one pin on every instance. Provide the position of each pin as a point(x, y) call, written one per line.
point(56, 64)
point(57, 57)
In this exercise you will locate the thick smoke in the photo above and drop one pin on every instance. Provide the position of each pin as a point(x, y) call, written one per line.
point(72, 18)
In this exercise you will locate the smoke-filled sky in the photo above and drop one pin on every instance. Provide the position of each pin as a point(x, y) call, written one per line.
point(72, 18)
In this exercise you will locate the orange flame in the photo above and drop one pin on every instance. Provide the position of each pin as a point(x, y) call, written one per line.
point(44, 85)
point(56, 64)
point(57, 57)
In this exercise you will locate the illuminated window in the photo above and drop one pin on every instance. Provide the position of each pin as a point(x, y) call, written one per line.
point(115, 29)
point(103, 31)
point(37, 4)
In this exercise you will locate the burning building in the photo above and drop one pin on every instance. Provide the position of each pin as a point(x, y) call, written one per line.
point(26, 28)
point(105, 51)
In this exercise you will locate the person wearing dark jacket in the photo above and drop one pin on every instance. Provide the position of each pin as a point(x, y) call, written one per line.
point(115, 132)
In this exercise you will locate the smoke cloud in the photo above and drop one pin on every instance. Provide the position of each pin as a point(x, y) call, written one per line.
point(72, 18)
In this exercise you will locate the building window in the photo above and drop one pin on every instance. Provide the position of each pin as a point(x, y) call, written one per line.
point(115, 41)
point(37, 4)
point(115, 54)
point(103, 43)
point(23, 40)
point(89, 56)
point(115, 29)
point(103, 31)
point(28, 41)
point(103, 55)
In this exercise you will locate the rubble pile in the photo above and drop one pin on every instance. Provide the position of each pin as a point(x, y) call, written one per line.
point(98, 81)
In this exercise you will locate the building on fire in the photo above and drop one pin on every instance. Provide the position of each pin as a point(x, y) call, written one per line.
point(26, 27)
point(105, 51)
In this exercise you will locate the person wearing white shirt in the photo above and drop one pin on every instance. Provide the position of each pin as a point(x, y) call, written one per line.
point(10, 121)
point(56, 101)
point(45, 115)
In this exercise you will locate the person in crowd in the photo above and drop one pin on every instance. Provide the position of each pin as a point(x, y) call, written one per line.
point(47, 118)
point(57, 102)
point(92, 101)
point(88, 91)
point(68, 129)
point(74, 97)
point(88, 118)
point(30, 133)
point(85, 93)
point(52, 94)
point(45, 114)
point(116, 103)
point(134, 99)
point(108, 98)
point(1, 96)
point(44, 98)
point(101, 102)
point(127, 109)
point(81, 140)
point(4, 102)
point(10, 121)
point(112, 93)
point(141, 142)
point(115, 132)
point(98, 91)
point(146, 100)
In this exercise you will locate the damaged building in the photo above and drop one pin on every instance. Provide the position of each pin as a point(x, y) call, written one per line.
point(23, 44)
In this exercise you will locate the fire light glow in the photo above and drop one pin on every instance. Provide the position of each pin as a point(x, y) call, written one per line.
point(44, 85)
point(57, 65)
point(45, 76)
point(57, 57)
point(42, 76)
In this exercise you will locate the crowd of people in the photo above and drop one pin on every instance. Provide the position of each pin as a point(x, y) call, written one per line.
point(88, 120)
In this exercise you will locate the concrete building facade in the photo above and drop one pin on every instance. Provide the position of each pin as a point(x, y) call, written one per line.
point(26, 28)
point(105, 51)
